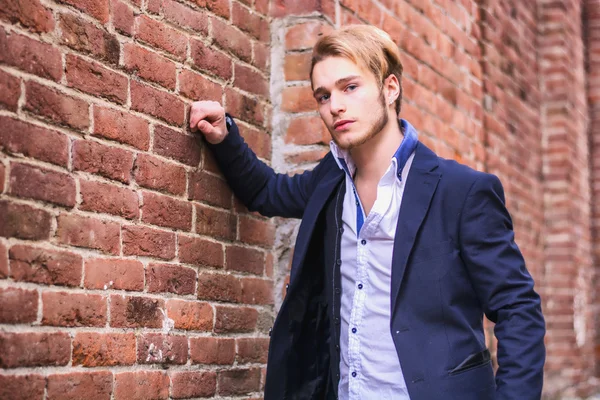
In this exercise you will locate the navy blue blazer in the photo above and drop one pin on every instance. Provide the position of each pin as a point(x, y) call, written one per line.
point(454, 260)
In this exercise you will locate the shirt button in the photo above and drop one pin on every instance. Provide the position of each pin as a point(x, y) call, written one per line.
point(360, 286)
point(363, 242)
point(339, 262)
point(353, 330)
point(341, 230)
point(354, 374)
point(356, 202)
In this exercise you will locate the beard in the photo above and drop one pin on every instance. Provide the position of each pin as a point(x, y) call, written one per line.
point(379, 123)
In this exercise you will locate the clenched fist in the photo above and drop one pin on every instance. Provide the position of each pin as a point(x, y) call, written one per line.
point(208, 117)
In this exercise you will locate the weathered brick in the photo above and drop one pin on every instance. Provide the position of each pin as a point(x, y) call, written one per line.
point(93, 233)
point(121, 126)
point(200, 252)
point(161, 36)
point(252, 350)
point(219, 7)
point(107, 198)
point(190, 315)
point(259, 141)
point(96, 158)
point(262, 57)
point(42, 184)
point(157, 103)
point(26, 349)
point(219, 287)
point(93, 349)
point(244, 259)
point(93, 78)
point(98, 9)
point(38, 265)
point(185, 385)
point(262, 6)
point(255, 231)
point(306, 130)
point(170, 278)
point(194, 86)
point(73, 309)
point(231, 39)
point(244, 107)
point(166, 211)
point(30, 55)
point(235, 319)
point(215, 223)
point(176, 145)
point(257, 291)
point(123, 17)
point(29, 13)
point(250, 22)
point(207, 59)
point(19, 306)
point(142, 241)
point(87, 385)
point(10, 91)
point(24, 222)
point(81, 35)
point(210, 350)
point(297, 66)
point(210, 189)
point(56, 106)
point(22, 387)
point(153, 173)
point(156, 348)
point(141, 385)
point(136, 312)
point(298, 99)
point(154, 6)
point(109, 273)
point(149, 65)
point(238, 381)
point(185, 17)
point(250, 80)
point(3, 260)
point(305, 35)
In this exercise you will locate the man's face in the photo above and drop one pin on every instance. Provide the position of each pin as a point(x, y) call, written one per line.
point(350, 99)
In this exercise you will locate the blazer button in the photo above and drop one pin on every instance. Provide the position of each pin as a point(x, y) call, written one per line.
point(337, 320)
point(337, 290)
point(339, 262)
point(287, 286)
point(270, 331)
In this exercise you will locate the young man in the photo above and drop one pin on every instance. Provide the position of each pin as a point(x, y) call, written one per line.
point(399, 254)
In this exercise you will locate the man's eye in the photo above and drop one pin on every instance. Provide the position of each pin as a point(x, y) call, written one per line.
point(323, 98)
point(351, 87)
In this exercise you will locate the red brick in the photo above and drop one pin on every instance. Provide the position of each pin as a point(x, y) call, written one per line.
point(29, 13)
point(42, 184)
point(219, 7)
point(109, 273)
point(250, 80)
point(153, 173)
point(34, 349)
point(33, 141)
point(123, 17)
point(252, 350)
point(149, 65)
point(84, 36)
point(10, 91)
point(96, 158)
point(142, 241)
point(185, 17)
point(93, 233)
point(212, 61)
point(3, 261)
point(72, 309)
point(297, 66)
point(98, 9)
point(195, 87)
point(215, 223)
point(87, 385)
point(122, 127)
point(33, 264)
point(259, 141)
point(176, 145)
point(136, 312)
point(298, 99)
point(244, 107)
point(30, 56)
point(209, 350)
point(231, 39)
point(19, 306)
point(24, 222)
point(22, 387)
point(306, 130)
point(161, 36)
point(107, 198)
point(257, 291)
point(210, 189)
point(255, 231)
point(2, 176)
point(238, 381)
point(250, 22)
point(185, 385)
point(56, 106)
point(200, 252)
point(157, 103)
point(262, 6)
point(154, 6)
point(93, 349)
point(156, 348)
point(170, 278)
point(219, 287)
point(243, 259)
point(190, 315)
point(141, 385)
point(235, 319)
point(93, 78)
point(166, 211)
point(262, 57)
point(305, 35)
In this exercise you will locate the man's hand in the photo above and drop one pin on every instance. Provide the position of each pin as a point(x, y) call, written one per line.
point(208, 117)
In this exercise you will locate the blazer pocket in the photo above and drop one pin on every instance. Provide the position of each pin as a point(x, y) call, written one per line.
point(427, 253)
point(472, 361)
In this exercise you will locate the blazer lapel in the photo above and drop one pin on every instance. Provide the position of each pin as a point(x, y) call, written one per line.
point(420, 186)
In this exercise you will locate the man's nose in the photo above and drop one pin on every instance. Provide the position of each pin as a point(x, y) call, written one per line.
point(337, 106)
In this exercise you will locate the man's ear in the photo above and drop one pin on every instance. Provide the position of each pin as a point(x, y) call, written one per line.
point(391, 87)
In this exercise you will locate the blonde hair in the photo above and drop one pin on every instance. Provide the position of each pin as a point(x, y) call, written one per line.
point(366, 46)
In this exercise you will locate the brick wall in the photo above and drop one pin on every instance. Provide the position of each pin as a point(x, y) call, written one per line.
point(127, 269)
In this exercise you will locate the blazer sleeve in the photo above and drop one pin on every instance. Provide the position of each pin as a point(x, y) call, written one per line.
point(505, 289)
point(257, 185)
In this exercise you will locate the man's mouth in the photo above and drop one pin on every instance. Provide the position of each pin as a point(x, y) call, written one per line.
point(342, 125)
